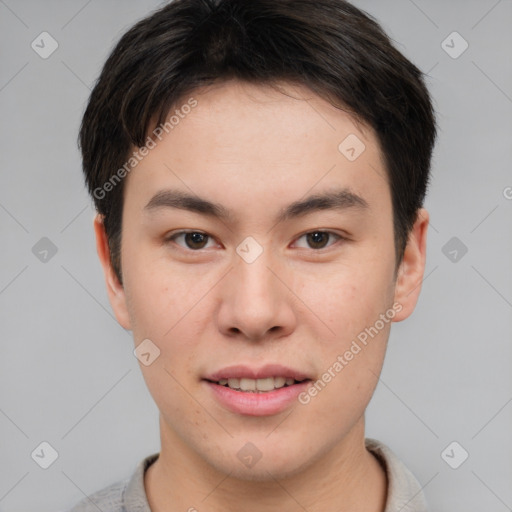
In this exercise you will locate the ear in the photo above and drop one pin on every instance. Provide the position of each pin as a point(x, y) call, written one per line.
point(412, 267)
point(115, 289)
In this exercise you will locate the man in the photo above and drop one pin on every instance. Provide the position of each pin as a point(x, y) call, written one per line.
point(259, 170)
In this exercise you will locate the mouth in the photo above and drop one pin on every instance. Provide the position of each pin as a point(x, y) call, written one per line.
point(264, 385)
point(257, 392)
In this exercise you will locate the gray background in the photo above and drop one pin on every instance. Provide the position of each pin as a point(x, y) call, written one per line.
point(67, 372)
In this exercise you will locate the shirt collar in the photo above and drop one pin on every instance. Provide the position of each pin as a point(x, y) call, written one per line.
point(404, 491)
point(135, 498)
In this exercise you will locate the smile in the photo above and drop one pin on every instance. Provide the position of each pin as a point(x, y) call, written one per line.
point(258, 385)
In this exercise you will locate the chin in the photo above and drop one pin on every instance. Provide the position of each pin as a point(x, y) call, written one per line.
point(271, 463)
point(263, 471)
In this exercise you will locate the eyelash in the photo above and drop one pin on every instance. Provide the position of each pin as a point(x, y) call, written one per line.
point(177, 234)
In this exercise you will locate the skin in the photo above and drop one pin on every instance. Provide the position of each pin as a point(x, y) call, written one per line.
point(255, 150)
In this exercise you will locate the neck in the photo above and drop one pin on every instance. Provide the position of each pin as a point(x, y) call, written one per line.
point(347, 477)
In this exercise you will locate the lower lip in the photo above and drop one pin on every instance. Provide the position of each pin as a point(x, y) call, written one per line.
point(257, 404)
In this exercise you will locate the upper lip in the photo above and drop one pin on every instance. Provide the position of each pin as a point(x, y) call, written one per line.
point(268, 370)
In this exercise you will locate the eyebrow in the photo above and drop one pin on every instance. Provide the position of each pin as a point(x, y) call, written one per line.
point(340, 199)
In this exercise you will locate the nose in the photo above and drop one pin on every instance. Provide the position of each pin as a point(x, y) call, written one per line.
point(257, 302)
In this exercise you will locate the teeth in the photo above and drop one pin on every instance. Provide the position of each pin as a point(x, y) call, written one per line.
point(263, 384)
point(267, 384)
point(279, 382)
point(234, 383)
point(246, 384)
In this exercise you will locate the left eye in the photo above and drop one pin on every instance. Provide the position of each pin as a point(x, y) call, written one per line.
point(319, 239)
point(193, 239)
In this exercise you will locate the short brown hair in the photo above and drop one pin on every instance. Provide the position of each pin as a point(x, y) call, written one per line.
point(338, 51)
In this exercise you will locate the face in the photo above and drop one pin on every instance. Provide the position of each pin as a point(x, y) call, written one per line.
point(280, 264)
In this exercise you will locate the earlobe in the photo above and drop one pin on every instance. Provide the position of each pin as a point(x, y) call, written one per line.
point(115, 290)
point(412, 267)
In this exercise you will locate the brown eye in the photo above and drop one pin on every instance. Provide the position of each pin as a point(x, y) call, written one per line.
point(319, 239)
point(194, 240)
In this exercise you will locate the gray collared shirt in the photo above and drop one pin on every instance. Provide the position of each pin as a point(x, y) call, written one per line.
point(129, 495)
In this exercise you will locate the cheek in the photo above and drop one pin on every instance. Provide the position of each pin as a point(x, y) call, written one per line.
point(350, 303)
point(351, 365)
point(156, 295)
point(349, 299)
point(165, 306)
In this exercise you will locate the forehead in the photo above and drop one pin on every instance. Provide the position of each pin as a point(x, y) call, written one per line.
point(242, 141)
point(277, 115)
